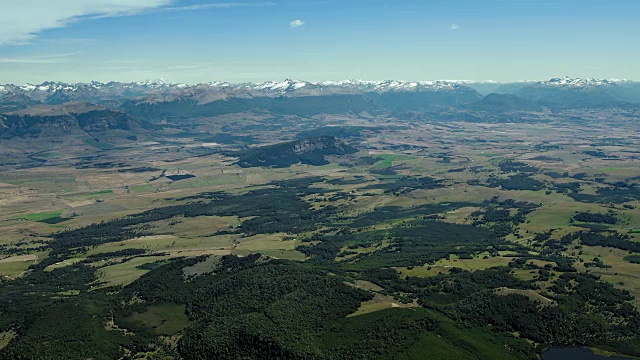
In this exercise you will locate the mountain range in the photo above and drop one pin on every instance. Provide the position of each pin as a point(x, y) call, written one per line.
point(29, 109)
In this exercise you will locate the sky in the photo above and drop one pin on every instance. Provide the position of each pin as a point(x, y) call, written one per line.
point(195, 41)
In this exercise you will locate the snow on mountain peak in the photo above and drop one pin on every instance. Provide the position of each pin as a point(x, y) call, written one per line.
point(282, 86)
point(161, 82)
point(579, 82)
point(279, 88)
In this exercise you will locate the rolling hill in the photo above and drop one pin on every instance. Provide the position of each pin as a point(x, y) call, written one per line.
point(310, 151)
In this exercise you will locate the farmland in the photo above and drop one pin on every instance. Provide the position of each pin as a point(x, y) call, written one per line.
point(422, 225)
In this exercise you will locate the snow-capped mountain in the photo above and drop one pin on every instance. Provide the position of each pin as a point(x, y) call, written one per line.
point(582, 93)
point(286, 86)
point(568, 82)
point(289, 86)
point(571, 91)
point(283, 87)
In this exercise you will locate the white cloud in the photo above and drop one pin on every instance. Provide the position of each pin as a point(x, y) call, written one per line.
point(296, 24)
point(22, 20)
point(454, 27)
point(39, 59)
point(219, 6)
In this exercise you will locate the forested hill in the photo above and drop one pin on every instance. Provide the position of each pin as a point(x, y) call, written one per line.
point(310, 151)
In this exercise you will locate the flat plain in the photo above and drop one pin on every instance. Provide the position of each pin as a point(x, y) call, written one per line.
point(531, 179)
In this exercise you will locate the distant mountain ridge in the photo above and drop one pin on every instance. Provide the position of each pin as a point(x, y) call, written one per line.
point(66, 119)
point(160, 99)
point(504, 103)
point(287, 86)
point(292, 86)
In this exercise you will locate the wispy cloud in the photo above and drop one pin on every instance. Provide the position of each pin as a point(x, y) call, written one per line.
point(217, 6)
point(296, 24)
point(39, 59)
point(454, 27)
point(22, 20)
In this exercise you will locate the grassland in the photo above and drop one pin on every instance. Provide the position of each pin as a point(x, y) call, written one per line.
point(5, 338)
point(124, 273)
point(389, 160)
point(381, 302)
point(443, 266)
point(101, 194)
point(462, 157)
point(534, 296)
point(15, 266)
point(621, 273)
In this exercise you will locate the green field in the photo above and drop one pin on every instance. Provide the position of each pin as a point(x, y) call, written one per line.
point(101, 192)
point(43, 215)
point(389, 160)
point(420, 243)
point(164, 319)
point(5, 338)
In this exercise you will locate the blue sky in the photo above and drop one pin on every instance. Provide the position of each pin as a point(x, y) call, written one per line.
point(196, 41)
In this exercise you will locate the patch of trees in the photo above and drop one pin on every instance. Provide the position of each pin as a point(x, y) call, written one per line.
point(516, 182)
point(500, 217)
point(557, 175)
point(546, 146)
point(99, 165)
point(546, 158)
point(53, 220)
point(338, 131)
point(596, 262)
point(256, 308)
point(567, 188)
point(607, 239)
point(571, 322)
point(511, 166)
point(311, 151)
point(422, 241)
point(451, 288)
point(272, 210)
point(252, 306)
point(596, 218)
point(596, 153)
point(634, 259)
point(180, 177)
point(65, 329)
point(50, 324)
point(387, 213)
point(406, 184)
point(355, 181)
point(613, 194)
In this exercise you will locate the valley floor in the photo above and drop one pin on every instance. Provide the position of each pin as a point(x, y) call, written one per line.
point(479, 240)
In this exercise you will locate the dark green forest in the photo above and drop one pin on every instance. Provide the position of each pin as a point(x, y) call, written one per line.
point(256, 307)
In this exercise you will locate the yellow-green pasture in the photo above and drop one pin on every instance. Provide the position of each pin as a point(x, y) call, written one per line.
point(531, 294)
point(380, 302)
point(14, 266)
point(622, 273)
point(444, 265)
point(6, 337)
